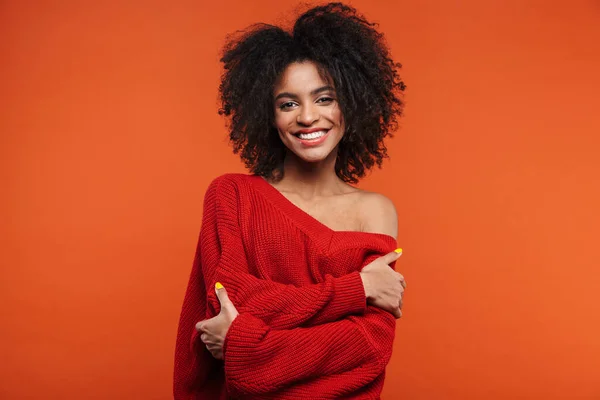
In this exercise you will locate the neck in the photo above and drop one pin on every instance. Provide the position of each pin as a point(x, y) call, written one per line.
point(311, 179)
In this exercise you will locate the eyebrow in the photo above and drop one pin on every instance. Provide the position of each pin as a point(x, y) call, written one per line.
point(314, 92)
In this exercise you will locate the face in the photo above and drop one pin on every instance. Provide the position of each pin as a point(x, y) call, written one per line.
point(307, 114)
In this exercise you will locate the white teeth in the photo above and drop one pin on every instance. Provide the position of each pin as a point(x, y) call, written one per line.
point(313, 135)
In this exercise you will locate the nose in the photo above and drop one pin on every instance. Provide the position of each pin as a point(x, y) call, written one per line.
point(307, 115)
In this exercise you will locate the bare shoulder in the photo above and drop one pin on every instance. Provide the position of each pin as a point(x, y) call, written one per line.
point(378, 214)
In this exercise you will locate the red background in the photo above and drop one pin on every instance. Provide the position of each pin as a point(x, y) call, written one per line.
point(110, 136)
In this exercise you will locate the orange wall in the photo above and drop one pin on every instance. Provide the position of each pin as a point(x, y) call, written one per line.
point(109, 137)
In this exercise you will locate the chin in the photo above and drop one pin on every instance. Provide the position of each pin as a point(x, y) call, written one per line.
point(312, 155)
point(311, 160)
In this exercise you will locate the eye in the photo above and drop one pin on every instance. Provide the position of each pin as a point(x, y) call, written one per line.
point(285, 105)
point(325, 100)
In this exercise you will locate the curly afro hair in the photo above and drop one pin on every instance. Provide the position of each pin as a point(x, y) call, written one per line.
point(348, 51)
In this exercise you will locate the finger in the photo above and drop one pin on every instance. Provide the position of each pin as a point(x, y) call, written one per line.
point(205, 325)
point(222, 295)
point(402, 280)
point(392, 256)
point(208, 339)
point(397, 313)
point(213, 352)
point(218, 354)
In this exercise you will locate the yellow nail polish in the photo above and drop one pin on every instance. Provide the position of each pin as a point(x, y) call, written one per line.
point(218, 286)
point(399, 251)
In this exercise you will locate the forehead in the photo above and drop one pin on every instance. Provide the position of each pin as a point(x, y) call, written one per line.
point(300, 77)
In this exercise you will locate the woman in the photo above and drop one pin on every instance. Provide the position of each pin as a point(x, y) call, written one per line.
point(291, 294)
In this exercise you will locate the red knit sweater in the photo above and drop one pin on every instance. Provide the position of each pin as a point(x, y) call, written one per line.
point(304, 330)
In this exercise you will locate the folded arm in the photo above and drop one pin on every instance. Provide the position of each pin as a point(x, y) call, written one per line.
point(281, 306)
point(220, 255)
point(261, 360)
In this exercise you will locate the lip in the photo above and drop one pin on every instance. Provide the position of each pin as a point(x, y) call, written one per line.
point(310, 130)
point(314, 142)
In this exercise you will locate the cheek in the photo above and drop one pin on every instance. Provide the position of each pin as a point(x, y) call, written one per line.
point(335, 115)
point(282, 121)
point(338, 120)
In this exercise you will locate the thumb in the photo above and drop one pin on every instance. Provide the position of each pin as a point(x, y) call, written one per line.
point(392, 256)
point(222, 295)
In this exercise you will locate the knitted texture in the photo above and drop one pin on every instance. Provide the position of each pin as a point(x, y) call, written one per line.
point(304, 330)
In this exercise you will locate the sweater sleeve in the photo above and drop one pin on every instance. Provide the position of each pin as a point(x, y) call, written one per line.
point(196, 372)
point(261, 360)
point(280, 306)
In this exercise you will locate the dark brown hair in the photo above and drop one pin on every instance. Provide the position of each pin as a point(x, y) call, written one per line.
point(350, 52)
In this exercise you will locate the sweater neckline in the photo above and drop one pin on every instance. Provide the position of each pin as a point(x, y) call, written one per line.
point(313, 225)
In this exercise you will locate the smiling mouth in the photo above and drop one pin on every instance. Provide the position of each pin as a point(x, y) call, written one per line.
point(312, 136)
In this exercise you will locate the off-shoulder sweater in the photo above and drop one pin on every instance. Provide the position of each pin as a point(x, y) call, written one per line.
point(304, 329)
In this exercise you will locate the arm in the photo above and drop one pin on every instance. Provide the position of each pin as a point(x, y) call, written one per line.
point(220, 255)
point(278, 305)
point(350, 353)
point(261, 360)
point(194, 366)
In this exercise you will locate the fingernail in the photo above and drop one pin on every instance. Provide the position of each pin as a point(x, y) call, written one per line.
point(398, 250)
point(218, 286)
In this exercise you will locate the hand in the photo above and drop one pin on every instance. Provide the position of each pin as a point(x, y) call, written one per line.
point(215, 329)
point(384, 287)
